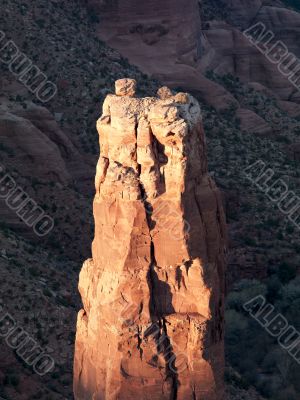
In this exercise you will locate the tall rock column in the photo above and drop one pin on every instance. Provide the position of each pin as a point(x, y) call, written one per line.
point(153, 293)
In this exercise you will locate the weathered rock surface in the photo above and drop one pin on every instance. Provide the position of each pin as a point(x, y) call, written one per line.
point(153, 293)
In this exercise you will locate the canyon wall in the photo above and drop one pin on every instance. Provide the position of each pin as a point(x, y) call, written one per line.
point(171, 42)
point(153, 293)
point(163, 39)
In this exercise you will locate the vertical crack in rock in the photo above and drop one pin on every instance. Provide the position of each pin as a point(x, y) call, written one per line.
point(152, 324)
point(202, 220)
point(162, 339)
point(152, 306)
point(171, 368)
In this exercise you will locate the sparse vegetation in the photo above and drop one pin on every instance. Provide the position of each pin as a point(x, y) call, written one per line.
point(264, 363)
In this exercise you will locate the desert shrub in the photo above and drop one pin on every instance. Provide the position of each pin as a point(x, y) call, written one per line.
point(255, 354)
point(286, 272)
point(292, 3)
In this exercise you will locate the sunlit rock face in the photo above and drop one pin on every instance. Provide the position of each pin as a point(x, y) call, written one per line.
point(153, 293)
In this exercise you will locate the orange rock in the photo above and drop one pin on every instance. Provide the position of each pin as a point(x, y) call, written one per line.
point(153, 294)
point(125, 87)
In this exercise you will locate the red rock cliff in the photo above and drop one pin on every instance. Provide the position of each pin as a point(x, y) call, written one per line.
point(153, 294)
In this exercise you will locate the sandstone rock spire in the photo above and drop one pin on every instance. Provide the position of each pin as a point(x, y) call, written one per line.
point(153, 293)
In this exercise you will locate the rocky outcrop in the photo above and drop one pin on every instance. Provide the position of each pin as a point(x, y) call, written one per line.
point(153, 293)
point(34, 136)
point(226, 50)
point(45, 164)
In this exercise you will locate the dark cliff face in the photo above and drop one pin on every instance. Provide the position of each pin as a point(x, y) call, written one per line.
point(172, 42)
point(154, 34)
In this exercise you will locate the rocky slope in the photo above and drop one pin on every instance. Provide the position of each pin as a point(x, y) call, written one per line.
point(228, 51)
point(166, 44)
point(214, 41)
point(38, 290)
point(61, 130)
point(153, 293)
point(50, 151)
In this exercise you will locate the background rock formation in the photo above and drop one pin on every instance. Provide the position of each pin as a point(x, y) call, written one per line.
point(38, 284)
point(166, 43)
point(184, 40)
point(153, 294)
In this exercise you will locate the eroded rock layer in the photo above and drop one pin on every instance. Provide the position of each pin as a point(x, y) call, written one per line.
point(153, 293)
